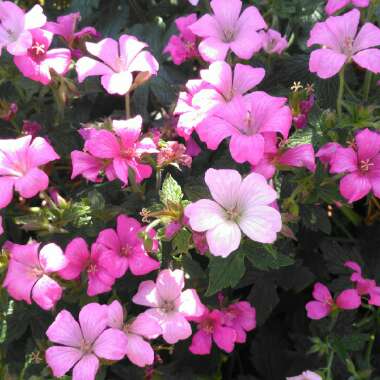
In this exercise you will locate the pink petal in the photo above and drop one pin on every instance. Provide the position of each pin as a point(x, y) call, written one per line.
point(327, 152)
point(213, 49)
point(170, 284)
point(110, 345)
point(129, 130)
point(144, 62)
point(40, 152)
point(265, 167)
point(245, 148)
point(226, 12)
point(189, 304)
point(85, 164)
point(206, 26)
point(46, 292)
point(121, 166)
point(354, 186)
point(219, 75)
point(246, 78)
point(368, 59)
point(175, 327)
point(34, 18)
point(368, 37)
point(34, 181)
point(130, 47)
point(348, 300)
point(335, 5)
point(62, 359)
point(103, 145)
point(317, 310)
point(52, 258)
point(117, 83)
point(59, 60)
point(213, 131)
point(225, 338)
point(246, 43)
point(251, 19)
point(201, 343)
point(326, 62)
point(322, 293)
point(93, 320)
point(145, 326)
point(6, 194)
point(139, 351)
point(299, 156)
point(140, 263)
point(107, 50)
point(147, 295)
point(224, 238)
point(344, 160)
point(115, 315)
point(86, 368)
point(368, 144)
point(87, 67)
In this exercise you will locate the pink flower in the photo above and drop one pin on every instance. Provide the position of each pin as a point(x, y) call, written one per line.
point(16, 26)
point(172, 228)
point(173, 153)
point(138, 350)
point(38, 61)
point(226, 29)
point(273, 42)
point(324, 302)
point(211, 327)
point(192, 148)
point(194, 2)
point(341, 43)
point(299, 156)
point(224, 85)
point(123, 147)
point(333, 6)
point(169, 305)
point(20, 160)
point(327, 152)
point(200, 242)
point(28, 273)
point(126, 247)
point(362, 163)
point(240, 316)
point(183, 47)
point(83, 344)
point(32, 128)
point(238, 205)
point(90, 167)
point(100, 266)
point(1, 225)
point(307, 375)
point(247, 120)
point(119, 61)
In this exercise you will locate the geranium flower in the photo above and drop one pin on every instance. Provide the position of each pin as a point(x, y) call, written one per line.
point(211, 328)
point(273, 42)
point(362, 163)
point(20, 160)
point(16, 26)
point(119, 61)
point(342, 43)
point(228, 29)
point(126, 247)
point(138, 350)
point(83, 344)
point(38, 61)
point(333, 6)
point(307, 375)
point(169, 305)
point(28, 276)
point(327, 152)
point(238, 205)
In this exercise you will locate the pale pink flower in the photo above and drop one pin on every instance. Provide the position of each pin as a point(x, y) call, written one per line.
point(238, 205)
point(228, 29)
point(194, 2)
point(362, 163)
point(273, 42)
point(183, 47)
point(100, 266)
point(143, 327)
point(342, 43)
point(20, 160)
point(127, 248)
point(240, 316)
point(307, 375)
point(327, 152)
point(83, 344)
point(124, 147)
point(246, 120)
point(119, 60)
point(16, 26)
point(169, 304)
point(225, 84)
point(324, 303)
point(38, 61)
point(211, 328)
point(28, 276)
point(333, 6)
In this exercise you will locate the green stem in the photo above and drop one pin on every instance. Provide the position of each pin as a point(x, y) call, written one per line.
point(329, 365)
point(367, 85)
point(369, 351)
point(340, 93)
point(128, 105)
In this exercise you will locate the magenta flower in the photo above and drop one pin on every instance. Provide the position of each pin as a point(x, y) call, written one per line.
point(38, 61)
point(228, 29)
point(1, 225)
point(100, 266)
point(224, 85)
point(20, 160)
point(143, 327)
point(123, 146)
point(28, 273)
point(307, 375)
point(246, 120)
point(183, 47)
point(169, 305)
point(126, 247)
point(90, 167)
point(273, 42)
point(32, 128)
point(333, 6)
point(362, 163)
point(342, 43)
point(16, 26)
point(327, 152)
point(240, 316)
point(211, 328)
point(82, 344)
point(324, 303)
point(118, 61)
point(238, 205)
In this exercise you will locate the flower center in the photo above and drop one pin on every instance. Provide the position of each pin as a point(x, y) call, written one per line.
point(126, 251)
point(207, 326)
point(229, 35)
point(167, 306)
point(365, 165)
point(86, 347)
point(233, 214)
point(92, 268)
point(128, 153)
point(37, 271)
point(348, 46)
point(38, 49)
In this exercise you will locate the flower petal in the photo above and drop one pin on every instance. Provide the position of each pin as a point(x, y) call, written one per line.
point(62, 359)
point(224, 239)
point(110, 345)
point(86, 368)
point(354, 186)
point(93, 320)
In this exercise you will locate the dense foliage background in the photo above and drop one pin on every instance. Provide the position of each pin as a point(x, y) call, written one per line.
point(277, 279)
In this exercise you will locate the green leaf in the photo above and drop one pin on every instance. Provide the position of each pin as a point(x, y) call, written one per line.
point(315, 218)
point(181, 241)
point(85, 7)
point(225, 272)
point(171, 192)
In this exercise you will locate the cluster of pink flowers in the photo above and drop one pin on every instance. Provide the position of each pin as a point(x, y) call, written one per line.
point(349, 299)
